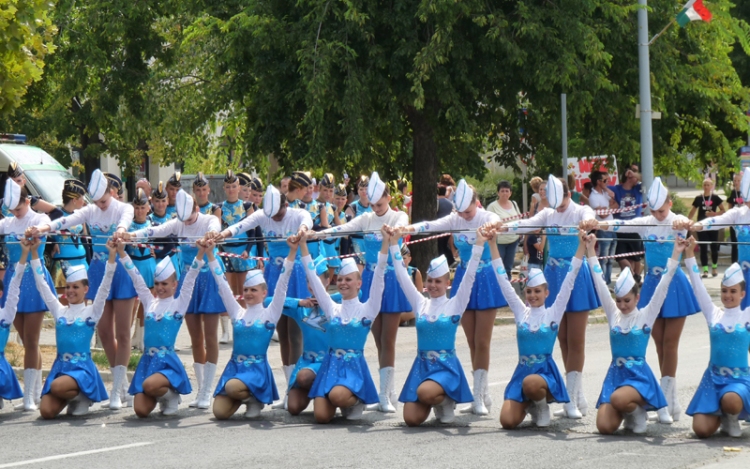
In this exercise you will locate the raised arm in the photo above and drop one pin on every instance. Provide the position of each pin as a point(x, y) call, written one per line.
point(410, 290)
point(11, 304)
point(233, 307)
point(660, 294)
point(463, 295)
point(372, 306)
point(144, 293)
point(605, 297)
point(126, 218)
point(516, 305)
point(708, 308)
point(186, 292)
point(561, 302)
point(279, 295)
point(49, 297)
point(100, 299)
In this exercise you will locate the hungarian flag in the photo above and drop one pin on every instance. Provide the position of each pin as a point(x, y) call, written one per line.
point(694, 10)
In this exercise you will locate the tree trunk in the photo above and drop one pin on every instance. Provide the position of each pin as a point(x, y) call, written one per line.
point(424, 184)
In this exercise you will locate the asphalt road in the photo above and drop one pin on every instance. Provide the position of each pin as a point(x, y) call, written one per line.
point(195, 439)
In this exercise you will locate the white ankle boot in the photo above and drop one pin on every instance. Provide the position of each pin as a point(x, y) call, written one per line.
point(226, 326)
point(125, 397)
point(572, 382)
point(541, 416)
point(676, 407)
point(253, 407)
point(204, 395)
point(447, 412)
point(730, 424)
point(354, 412)
point(169, 403)
point(581, 402)
point(118, 375)
point(79, 405)
point(387, 375)
point(288, 370)
point(29, 386)
point(638, 420)
point(479, 406)
point(487, 397)
point(198, 368)
point(663, 415)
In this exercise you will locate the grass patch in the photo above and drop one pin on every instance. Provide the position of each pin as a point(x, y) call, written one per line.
point(14, 354)
point(100, 358)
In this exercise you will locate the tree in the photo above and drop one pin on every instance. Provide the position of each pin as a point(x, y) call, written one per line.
point(25, 34)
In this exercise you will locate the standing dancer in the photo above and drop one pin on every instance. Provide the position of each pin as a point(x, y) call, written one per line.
point(536, 380)
point(201, 192)
point(739, 216)
point(174, 184)
point(69, 250)
point(159, 216)
point(723, 396)
point(277, 220)
point(143, 259)
point(436, 380)
point(479, 319)
point(335, 247)
point(564, 217)
point(630, 388)
point(202, 314)
point(9, 387)
point(160, 376)
point(31, 307)
point(247, 378)
point(106, 217)
point(657, 230)
point(344, 379)
point(73, 379)
point(394, 302)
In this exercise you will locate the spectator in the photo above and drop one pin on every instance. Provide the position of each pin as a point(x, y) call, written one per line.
point(450, 185)
point(575, 196)
point(535, 250)
point(284, 186)
point(445, 207)
point(735, 200)
point(586, 191)
point(535, 183)
point(628, 194)
point(506, 208)
point(601, 198)
point(708, 205)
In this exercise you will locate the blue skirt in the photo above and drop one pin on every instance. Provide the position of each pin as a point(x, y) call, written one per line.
point(258, 378)
point(640, 377)
point(680, 300)
point(448, 373)
point(297, 282)
point(168, 365)
point(746, 299)
point(30, 300)
point(707, 398)
point(122, 286)
point(205, 299)
point(146, 267)
point(352, 373)
point(584, 297)
point(332, 250)
point(485, 294)
point(237, 264)
point(394, 300)
point(547, 369)
point(304, 363)
point(84, 372)
point(9, 386)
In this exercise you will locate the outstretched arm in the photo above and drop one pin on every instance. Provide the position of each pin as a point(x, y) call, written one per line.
point(708, 308)
point(50, 298)
point(319, 291)
point(463, 295)
point(109, 273)
point(279, 295)
point(608, 304)
point(561, 302)
point(144, 293)
point(662, 289)
point(410, 290)
point(233, 307)
point(517, 306)
point(11, 304)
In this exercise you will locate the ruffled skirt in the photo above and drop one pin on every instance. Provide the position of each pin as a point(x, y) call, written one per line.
point(445, 370)
point(84, 372)
point(257, 376)
point(348, 371)
point(168, 364)
point(635, 375)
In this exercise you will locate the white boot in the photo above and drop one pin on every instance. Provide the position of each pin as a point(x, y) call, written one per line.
point(581, 402)
point(730, 424)
point(354, 412)
point(639, 420)
point(387, 374)
point(198, 368)
point(288, 370)
point(118, 375)
point(448, 410)
point(572, 382)
point(125, 397)
point(79, 405)
point(226, 326)
point(2, 403)
point(542, 413)
point(204, 396)
point(38, 388)
point(29, 384)
point(138, 337)
point(169, 403)
point(253, 407)
point(487, 397)
point(663, 415)
point(480, 382)
point(676, 407)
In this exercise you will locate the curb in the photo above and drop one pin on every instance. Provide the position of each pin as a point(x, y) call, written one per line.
point(593, 319)
point(106, 375)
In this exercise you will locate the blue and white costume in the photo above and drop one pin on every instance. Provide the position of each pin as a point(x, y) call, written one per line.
point(536, 331)
point(9, 386)
point(486, 292)
point(740, 217)
point(232, 213)
point(170, 249)
point(205, 297)
point(659, 242)
point(71, 251)
point(333, 246)
point(563, 243)
point(347, 329)
point(162, 321)
point(437, 322)
point(13, 228)
point(253, 328)
point(103, 225)
point(628, 340)
point(293, 220)
point(728, 369)
point(74, 327)
point(142, 257)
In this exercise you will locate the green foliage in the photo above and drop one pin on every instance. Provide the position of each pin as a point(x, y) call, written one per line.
point(100, 358)
point(26, 31)
point(678, 205)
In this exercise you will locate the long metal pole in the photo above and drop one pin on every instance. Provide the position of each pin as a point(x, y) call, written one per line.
point(647, 144)
point(564, 107)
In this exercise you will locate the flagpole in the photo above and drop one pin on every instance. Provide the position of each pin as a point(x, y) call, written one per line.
point(647, 150)
point(674, 20)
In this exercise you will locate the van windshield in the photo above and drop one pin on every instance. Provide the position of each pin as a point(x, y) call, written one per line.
point(49, 184)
